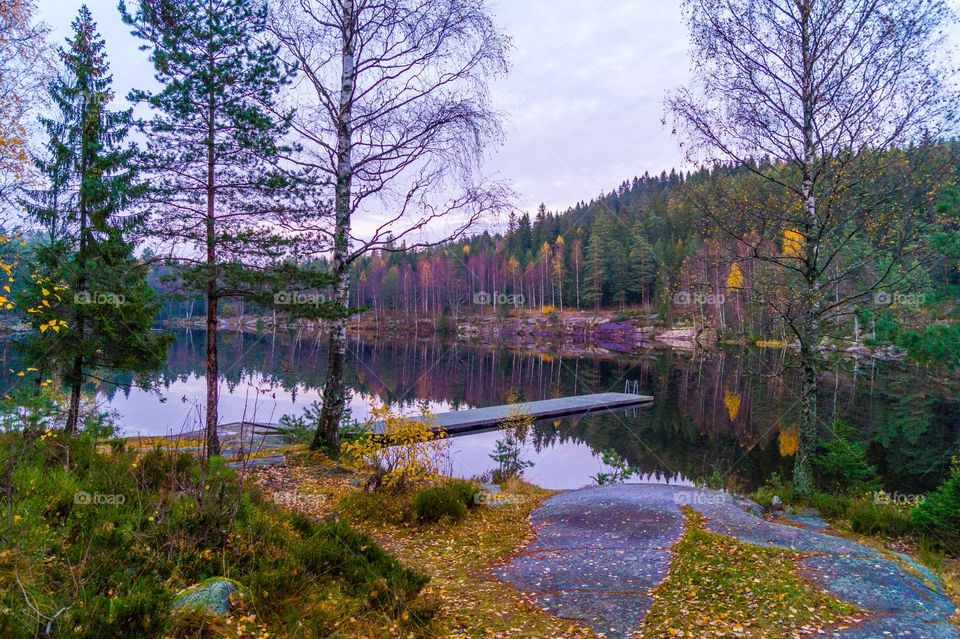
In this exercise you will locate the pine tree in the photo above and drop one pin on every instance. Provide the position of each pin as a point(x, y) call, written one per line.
point(213, 148)
point(596, 272)
point(90, 302)
point(524, 236)
point(643, 267)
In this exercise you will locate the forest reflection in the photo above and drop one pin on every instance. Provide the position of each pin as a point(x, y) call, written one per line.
point(716, 414)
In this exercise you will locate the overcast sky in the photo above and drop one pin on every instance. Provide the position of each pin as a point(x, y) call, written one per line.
point(584, 98)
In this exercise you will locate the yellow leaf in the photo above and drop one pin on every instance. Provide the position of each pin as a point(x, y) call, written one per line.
point(792, 243)
point(735, 277)
point(787, 440)
point(732, 402)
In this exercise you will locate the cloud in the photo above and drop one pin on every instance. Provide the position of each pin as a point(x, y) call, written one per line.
point(584, 99)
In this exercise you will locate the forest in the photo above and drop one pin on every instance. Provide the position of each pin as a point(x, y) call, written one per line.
point(286, 354)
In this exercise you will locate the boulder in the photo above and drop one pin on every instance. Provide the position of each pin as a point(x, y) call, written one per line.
point(679, 338)
point(212, 595)
point(750, 506)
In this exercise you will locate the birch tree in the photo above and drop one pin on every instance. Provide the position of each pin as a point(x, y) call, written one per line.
point(394, 112)
point(23, 66)
point(830, 91)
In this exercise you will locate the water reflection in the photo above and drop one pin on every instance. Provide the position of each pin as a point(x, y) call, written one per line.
point(713, 415)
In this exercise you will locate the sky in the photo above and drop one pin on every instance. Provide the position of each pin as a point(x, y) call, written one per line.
point(583, 102)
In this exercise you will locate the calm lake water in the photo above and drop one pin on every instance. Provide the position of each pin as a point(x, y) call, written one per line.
point(714, 414)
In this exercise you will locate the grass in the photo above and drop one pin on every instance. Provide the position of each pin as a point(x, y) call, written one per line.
point(473, 603)
point(721, 587)
point(456, 556)
point(99, 542)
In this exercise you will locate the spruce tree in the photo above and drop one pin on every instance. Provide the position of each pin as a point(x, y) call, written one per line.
point(595, 271)
point(89, 302)
point(214, 149)
point(643, 266)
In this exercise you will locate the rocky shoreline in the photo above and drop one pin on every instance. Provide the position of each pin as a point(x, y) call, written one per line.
point(567, 332)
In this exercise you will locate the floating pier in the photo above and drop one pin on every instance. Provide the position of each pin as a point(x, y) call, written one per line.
point(462, 421)
point(259, 435)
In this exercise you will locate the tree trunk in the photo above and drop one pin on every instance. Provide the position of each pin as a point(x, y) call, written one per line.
point(212, 441)
point(76, 373)
point(810, 339)
point(334, 392)
point(809, 422)
point(76, 383)
point(213, 396)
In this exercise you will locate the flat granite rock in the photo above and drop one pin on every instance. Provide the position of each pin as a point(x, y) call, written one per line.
point(617, 610)
point(597, 555)
point(600, 551)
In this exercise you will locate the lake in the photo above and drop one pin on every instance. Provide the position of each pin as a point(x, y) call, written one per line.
point(716, 414)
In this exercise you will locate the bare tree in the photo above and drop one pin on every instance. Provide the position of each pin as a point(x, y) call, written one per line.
point(25, 67)
point(394, 111)
point(831, 92)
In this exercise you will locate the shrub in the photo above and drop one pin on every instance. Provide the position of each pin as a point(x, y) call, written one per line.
point(830, 506)
point(366, 569)
point(160, 469)
point(113, 567)
point(620, 469)
point(939, 513)
point(775, 486)
point(383, 506)
point(442, 502)
point(869, 518)
point(465, 491)
point(410, 449)
point(841, 463)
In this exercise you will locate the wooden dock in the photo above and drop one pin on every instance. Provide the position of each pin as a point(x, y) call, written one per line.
point(462, 421)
